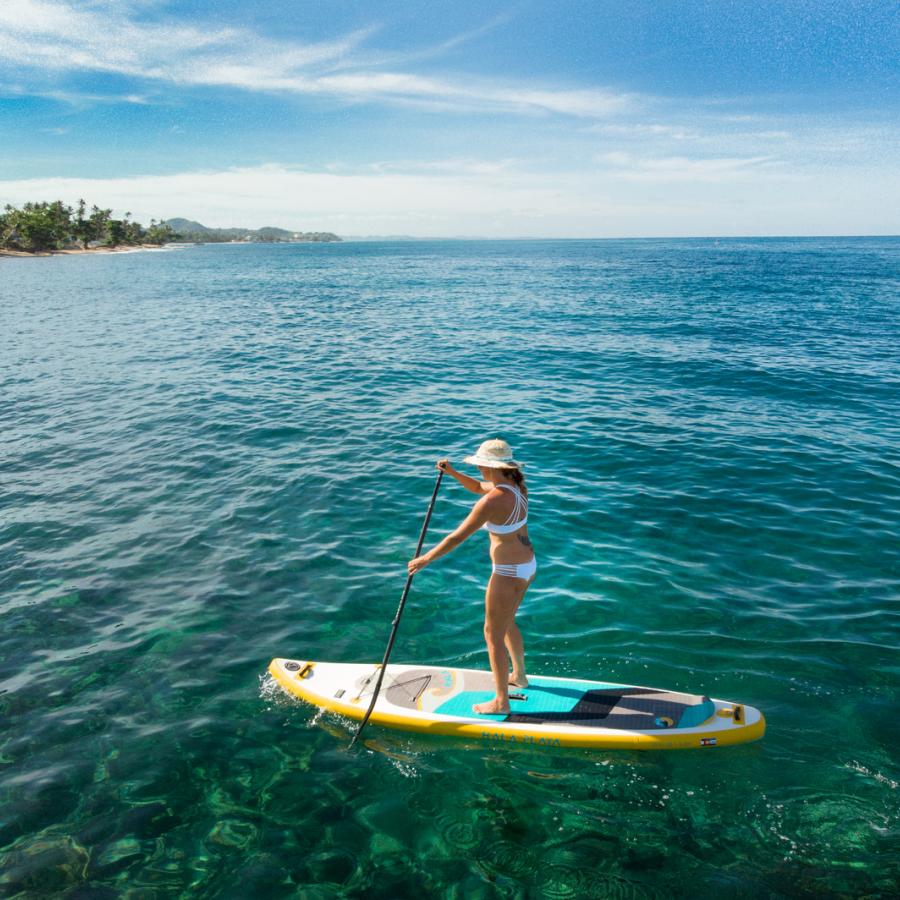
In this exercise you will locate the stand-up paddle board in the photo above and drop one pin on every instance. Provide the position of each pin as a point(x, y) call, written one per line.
point(550, 712)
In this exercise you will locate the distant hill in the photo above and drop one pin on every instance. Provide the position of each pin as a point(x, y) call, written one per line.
point(188, 230)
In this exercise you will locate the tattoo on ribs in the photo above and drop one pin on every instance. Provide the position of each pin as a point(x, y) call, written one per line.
point(524, 540)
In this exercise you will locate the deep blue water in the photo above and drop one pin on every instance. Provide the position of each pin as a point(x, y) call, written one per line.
point(214, 456)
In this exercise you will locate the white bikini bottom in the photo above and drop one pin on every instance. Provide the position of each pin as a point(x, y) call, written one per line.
point(524, 570)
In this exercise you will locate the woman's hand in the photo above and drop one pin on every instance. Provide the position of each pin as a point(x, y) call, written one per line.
point(444, 465)
point(417, 564)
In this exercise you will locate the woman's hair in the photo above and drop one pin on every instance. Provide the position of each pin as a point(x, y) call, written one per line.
point(518, 476)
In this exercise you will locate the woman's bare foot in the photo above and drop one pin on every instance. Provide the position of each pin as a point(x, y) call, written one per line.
point(519, 681)
point(491, 707)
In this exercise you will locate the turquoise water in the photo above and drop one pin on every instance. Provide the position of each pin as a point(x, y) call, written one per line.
point(215, 456)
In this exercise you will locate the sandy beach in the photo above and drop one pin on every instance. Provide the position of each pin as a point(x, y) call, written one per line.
point(77, 252)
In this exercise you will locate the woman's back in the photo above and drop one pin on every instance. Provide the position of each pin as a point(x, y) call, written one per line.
point(517, 511)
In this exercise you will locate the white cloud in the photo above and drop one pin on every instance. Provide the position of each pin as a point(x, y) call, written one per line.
point(68, 35)
point(682, 168)
point(75, 98)
point(377, 59)
point(644, 130)
point(457, 166)
point(499, 203)
point(709, 131)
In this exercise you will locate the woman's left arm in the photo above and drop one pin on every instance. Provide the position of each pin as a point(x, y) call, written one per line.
point(472, 522)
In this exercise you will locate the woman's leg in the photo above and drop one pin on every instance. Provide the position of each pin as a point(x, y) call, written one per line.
point(501, 600)
point(515, 646)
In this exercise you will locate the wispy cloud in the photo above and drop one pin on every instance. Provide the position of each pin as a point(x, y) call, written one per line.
point(99, 37)
point(644, 130)
point(68, 35)
point(380, 58)
point(74, 98)
point(461, 166)
point(712, 130)
point(682, 168)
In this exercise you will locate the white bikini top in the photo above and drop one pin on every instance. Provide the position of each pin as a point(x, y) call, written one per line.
point(513, 523)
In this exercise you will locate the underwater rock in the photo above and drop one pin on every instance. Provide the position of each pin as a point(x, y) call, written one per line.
point(44, 864)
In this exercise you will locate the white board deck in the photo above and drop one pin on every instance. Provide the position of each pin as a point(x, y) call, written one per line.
point(551, 711)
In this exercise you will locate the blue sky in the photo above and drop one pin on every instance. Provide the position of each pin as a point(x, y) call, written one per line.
point(527, 118)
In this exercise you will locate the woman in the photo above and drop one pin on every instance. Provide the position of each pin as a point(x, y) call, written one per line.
point(503, 512)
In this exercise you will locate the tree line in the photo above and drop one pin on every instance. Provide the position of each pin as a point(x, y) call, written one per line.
point(39, 227)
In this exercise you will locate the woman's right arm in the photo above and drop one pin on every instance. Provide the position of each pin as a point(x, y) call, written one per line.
point(472, 522)
point(470, 484)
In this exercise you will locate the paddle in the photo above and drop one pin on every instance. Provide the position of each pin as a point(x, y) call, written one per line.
point(399, 613)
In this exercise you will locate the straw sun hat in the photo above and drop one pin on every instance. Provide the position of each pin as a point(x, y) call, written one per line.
point(494, 454)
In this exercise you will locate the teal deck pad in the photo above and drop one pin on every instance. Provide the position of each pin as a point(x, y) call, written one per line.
point(543, 695)
point(697, 715)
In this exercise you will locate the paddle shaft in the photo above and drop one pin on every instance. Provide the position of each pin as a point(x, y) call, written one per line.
point(396, 622)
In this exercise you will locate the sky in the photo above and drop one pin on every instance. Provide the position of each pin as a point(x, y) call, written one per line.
point(529, 118)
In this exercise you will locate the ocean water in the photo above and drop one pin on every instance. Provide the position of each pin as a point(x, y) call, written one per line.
point(214, 456)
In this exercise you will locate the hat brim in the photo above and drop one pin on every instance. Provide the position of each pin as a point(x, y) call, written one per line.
point(484, 462)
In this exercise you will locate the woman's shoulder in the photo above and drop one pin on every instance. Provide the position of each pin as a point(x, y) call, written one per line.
point(497, 497)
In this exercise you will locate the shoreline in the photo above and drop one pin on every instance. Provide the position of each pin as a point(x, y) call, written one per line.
point(20, 254)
